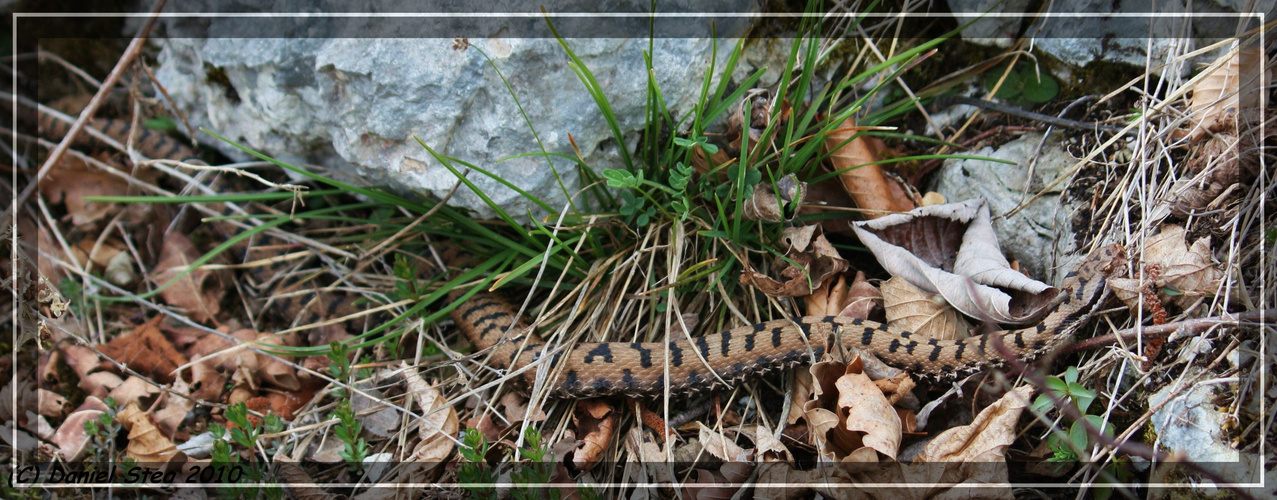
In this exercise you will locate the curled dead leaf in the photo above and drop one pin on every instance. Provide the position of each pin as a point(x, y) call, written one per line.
point(100, 384)
point(817, 261)
point(1235, 88)
point(595, 420)
point(273, 371)
point(133, 390)
point(146, 443)
point(976, 269)
point(52, 404)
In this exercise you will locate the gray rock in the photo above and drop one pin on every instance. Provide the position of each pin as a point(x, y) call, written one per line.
point(996, 31)
point(354, 106)
point(1112, 31)
point(1036, 236)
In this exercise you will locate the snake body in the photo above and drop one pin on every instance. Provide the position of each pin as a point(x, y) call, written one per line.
point(710, 362)
point(638, 369)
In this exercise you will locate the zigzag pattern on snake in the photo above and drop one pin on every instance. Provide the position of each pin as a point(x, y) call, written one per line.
point(637, 369)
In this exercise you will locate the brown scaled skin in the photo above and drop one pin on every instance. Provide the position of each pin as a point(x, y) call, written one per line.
point(638, 369)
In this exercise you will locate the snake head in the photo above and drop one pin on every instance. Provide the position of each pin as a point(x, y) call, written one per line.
point(1090, 281)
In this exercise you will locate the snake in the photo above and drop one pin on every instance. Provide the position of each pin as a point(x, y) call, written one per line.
point(705, 363)
point(720, 360)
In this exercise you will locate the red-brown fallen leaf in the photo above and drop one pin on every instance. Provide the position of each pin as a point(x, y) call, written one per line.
point(146, 351)
point(199, 293)
point(516, 409)
point(71, 180)
point(594, 420)
point(286, 404)
point(146, 443)
point(207, 384)
point(835, 298)
point(865, 182)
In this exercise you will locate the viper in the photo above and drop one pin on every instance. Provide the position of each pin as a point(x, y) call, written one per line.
point(710, 362)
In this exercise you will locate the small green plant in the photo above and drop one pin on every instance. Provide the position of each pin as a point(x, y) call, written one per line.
point(406, 287)
point(339, 365)
point(1027, 84)
point(245, 434)
point(354, 449)
point(102, 432)
point(1075, 445)
point(473, 472)
point(538, 470)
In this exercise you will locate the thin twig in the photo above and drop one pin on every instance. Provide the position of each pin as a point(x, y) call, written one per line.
point(1188, 325)
point(1030, 115)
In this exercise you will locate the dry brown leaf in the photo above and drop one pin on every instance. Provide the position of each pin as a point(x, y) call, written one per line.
point(777, 204)
point(52, 404)
point(1227, 93)
point(1187, 269)
point(146, 351)
point(434, 430)
point(70, 437)
point(897, 387)
point(866, 183)
point(71, 180)
point(296, 477)
point(99, 384)
point(81, 359)
point(146, 443)
point(808, 247)
point(913, 310)
point(176, 405)
point(722, 447)
point(643, 450)
point(206, 382)
point(199, 293)
point(867, 415)
point(377, 417)
point(273, 371)
point(595, 420)
point(766, 447)
point(986, 438)
point(967, 278)
point(704, 165)
point(516, 409)
point(133, 390)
